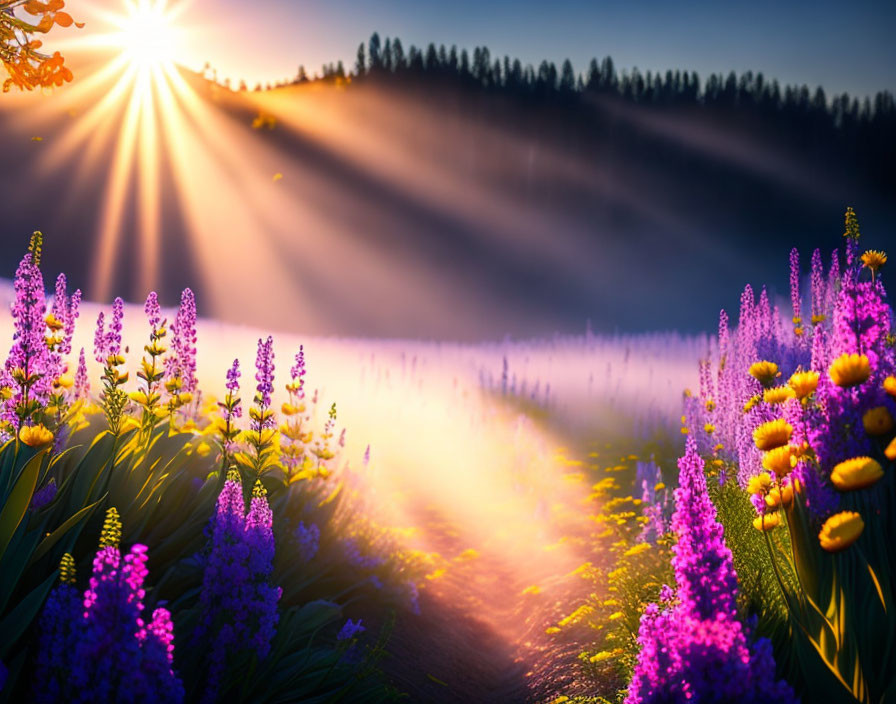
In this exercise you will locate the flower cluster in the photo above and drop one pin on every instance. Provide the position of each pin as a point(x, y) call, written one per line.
point(262, 433)
point(231, 409)
point(180, 365)
point(238, 606)
point(98, 647)
point(151, 371)
point(294, 433)
point(693, 648)
point(792, 407)
point(308, 539)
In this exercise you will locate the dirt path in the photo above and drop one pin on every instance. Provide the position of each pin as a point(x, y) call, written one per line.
point(480, 634)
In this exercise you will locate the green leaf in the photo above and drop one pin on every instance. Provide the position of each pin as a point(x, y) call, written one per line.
point(57, 534)
point(18, 501)
point(21, 617)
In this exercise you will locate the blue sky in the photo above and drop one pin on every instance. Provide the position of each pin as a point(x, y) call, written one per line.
point(839, 45)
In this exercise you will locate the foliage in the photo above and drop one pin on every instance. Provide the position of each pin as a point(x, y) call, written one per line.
point(800, 420)
point(146, 459)
point(29, 68)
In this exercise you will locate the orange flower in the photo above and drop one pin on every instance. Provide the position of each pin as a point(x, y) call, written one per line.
point(840, 531)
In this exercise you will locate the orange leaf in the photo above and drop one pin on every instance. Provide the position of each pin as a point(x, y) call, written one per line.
point(35, 7)
point(63, 19)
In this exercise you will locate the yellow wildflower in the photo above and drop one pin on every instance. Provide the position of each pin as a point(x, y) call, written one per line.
point(874, 259)
point(856, 473)
point(890, 452)
point(751, 403)
point(804, 383)
point(53, 322)
point(779, 496)
point(764, 372)
point(877, 421)
point(760, 483)
point(840, 531)
point(111, 533)
point(772, 434)
point(709, 428)
point(65, 381)
point(850, 370)
point(781, 460)
point(35, 435)
point(778, 394)
point(636, 549)
point(67, 569)
point(601, 656)
point(767, 521)
point(890, 385)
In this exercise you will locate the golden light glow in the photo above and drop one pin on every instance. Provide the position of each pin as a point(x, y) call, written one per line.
point(147, 34)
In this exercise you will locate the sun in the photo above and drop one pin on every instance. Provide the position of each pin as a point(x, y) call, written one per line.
point(147, 34)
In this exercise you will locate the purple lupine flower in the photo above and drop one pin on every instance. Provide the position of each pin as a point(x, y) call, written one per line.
point(43, 496)
point(233, 376)
point(60, 631)
point(29, 352)
point(356, 558)
point(72, 315)
point(264, 364)
point(833, 284)
point(694, 648)
point(233, 386)
point(113, 334)
point(100, 346)
point(66, 310)
point(308, 539)
point(366, 459)
point(413, 597)
point(181, 363)
point(153, 310)
point(795, 285)
point(648, 475)
point(817, 286)
point(116, 657)
point(237, 605)
point(28, 311)
point(350, 629)
point(82, 382)
point(701, 551)
point(262, 604)
point(298, 371)
point(158, 681)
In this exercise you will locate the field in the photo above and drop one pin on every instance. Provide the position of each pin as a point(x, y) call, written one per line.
point(478, 458)
point(447, 377)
